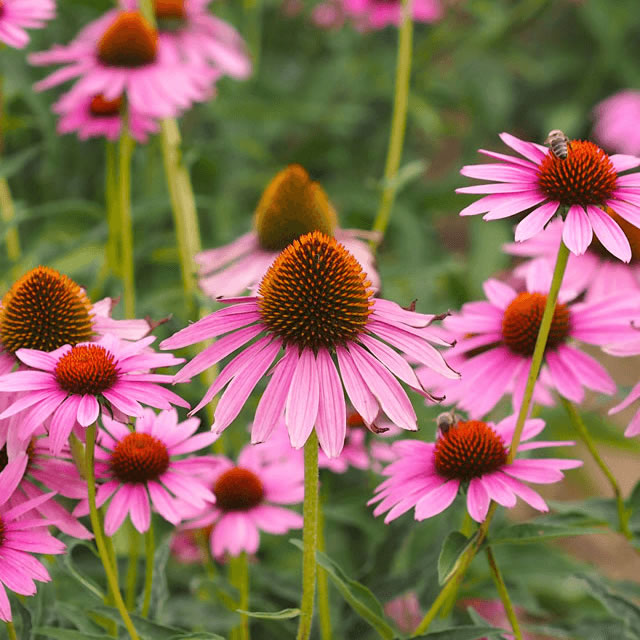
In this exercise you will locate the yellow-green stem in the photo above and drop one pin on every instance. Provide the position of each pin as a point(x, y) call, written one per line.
point(149, 550)
point(111, 205)
point(583, 432)
point(309, 536)
point(11, 631)
point(8, 211)
point(252, 30)
point(324, 609)
point(504, 594)
point(125, 223)
point(239, 578)
point(398, 122)
point(132, 568)
point(98, 533)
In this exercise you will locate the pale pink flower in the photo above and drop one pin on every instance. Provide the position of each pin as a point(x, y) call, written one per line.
point(628, 347)
point(493, 612)
point(377, 14)
point(248, 498)
point(23, 533)
point(18, 15)
point(75, 384)
point(145, 468)
point(315, 303)
point(617, 122)
point(404, 611)
point(585, 182)
point(473, 455)
point(291, 205)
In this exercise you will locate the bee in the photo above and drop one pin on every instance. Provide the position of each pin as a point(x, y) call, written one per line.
point(558, 143)
point(446, 420)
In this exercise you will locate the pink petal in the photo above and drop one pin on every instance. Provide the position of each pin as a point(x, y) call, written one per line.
point(363, 401)
point(331, 421)
point(477, 500)
point(88, 410)
point(139, 508)
point(302, 402)
point(577, 232)
point(535, 222)
point(609, 233)
point(437, 500)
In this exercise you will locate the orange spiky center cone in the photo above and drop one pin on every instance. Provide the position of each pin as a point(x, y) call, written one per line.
point(139, 458)
point(238, 489)
point(129, 41)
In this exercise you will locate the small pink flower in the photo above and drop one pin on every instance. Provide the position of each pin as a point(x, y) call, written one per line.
point(470, 454)
point(404, 611)
point(18, 15)
point(247, 499)
point(75, 384)
point(624, 348)
point(291, 205)
point(493, 612)
point(585, 182)
point(377, 14)
point(21, 534)
point(315, 303)
point(143, 468)
point(616, 122)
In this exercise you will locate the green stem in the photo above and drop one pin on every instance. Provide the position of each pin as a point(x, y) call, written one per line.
point(324, 608)
point(149, 550)
point(111, 203)
point(309, 536)
point(398, 121)
point(580, 427)
point(98, 533)
point(132, 569)
point(239, 578)
point(8, 212)
point(504, 594)
point(125, 223)
point(538, 350)
point(253, 24)
point(11, 631)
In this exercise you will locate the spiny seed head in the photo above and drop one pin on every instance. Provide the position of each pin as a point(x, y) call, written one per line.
point(102, 108)
point(86, 369)
point(44, 310)
point(469, 450)
point(631, 231)
point(139, 458)
point(522, 319)
point(292, 205)
point(586, 176)
point(315, 294)
point(130, 41)
point(238, 489)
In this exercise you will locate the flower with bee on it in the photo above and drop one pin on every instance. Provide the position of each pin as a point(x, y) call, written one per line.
point(558, 142)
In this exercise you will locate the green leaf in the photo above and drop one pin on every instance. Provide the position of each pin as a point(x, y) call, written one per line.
point(467, 632)
point(198, 635)
point(159, 587)
point(453, 547)
point(9, 165)
point(57, 633)
point(406, 174)
point(283, 614)
point(67, 561)
point(359, 597)
point(545, 527)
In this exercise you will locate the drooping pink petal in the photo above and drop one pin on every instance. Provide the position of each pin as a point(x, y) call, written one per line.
point(302, 402)
point(331, 421)
point(477, 500)
point(577, 232)
point(437, 500)
point(609, 233)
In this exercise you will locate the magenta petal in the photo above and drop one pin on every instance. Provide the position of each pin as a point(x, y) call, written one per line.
point(437, 500)
point(331, 421)
point(515, 204)
point(530, 496)
point(477, 500)
point(609, 233)
point(535, 222)
point(139, 508)
point(302, 402)
point(498, 490)
point(62, 423)
point(577, 232)
point(363, 401)
point(11, 475)
point(527, 149)
point(564, 378)
point(117, 511)
point(88, 410)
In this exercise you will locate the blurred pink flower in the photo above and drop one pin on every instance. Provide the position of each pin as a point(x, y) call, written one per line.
point(617, 122)
point(314, 302)
point(471, 454)
point(404, 611)
point(585, 182)
point(377, 14)
point(18, 15)
point(493, 612)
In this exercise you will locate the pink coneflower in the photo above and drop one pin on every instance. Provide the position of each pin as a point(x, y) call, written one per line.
point(248, 496)
point(315, 303)
point(470, 454)
point(493, 612)
point(623, 348)
point(596, 271)
point(404, 611)
point(584, 182)
point(616, 122)
point(376, 14)
point(92, 117)
point(75, 384)
point(18, 15)
point(119, 55)
point(291, 205)
point(21, 534)
point(502, 332)
point(141, 469)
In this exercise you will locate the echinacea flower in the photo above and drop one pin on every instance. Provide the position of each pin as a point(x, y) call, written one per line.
point(596, 271)
point(75, 384)
point(473, 455)
point(248, 498)
point(501, 332)
point(22, 533)
point(18, 15)
point(120, 56)
point(376, 14)
point(405, 611)
point(616, 122)
point(583, 183)
point(315, 303)
point(291, 205)
point(144, 468)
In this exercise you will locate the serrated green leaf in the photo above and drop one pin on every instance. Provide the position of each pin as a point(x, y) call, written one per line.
point(452, 548)
point(283, 614)
point(464, 633)
point(56, 633)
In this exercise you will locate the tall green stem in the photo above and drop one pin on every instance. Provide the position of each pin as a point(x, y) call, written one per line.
point(126, 226)
point(309, 536)
point(252, 29)
point(583, 432)
point(504, 594)
point(324, 609)
point(98, 533)
point(239, 578)
point(11, 631)
point(132, 569)
point(149, 550)
point(398, 121)
point(111, 205)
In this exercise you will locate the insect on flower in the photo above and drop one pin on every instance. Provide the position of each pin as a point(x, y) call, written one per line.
point(558, 142)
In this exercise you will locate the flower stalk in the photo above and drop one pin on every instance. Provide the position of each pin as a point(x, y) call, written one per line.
point(324, 608)
point(127, 145)
point(111, 205)
point(11, 631)
point(132, 568)
point(504, 594)
point(239, 578)
point(149, 548)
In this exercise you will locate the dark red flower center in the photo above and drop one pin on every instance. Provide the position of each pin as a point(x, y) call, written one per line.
point(44, 310)
point(355, 420)
point(238, 489)
point(130, 41)
point(292, 205)
point(631, 231)
point(86, 369)
point(522, 319)
point(585, 176)
point(315, 294)
point(102, 108)
point(469, 450)
point(139, 458)
point(1, 8)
